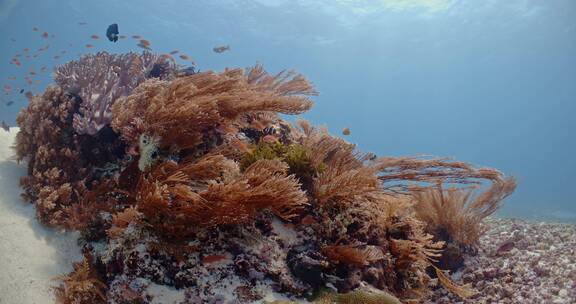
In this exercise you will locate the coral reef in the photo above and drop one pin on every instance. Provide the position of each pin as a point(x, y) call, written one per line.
point(193, 183)
point(102, 78)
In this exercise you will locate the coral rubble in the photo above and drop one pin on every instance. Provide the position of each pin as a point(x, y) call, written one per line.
point(193, 183)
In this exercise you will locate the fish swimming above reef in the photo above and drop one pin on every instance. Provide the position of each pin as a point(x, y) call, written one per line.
point(221, 49)
point(346, 131)
point(112, 32)
point(5, 126)
point(11, 102)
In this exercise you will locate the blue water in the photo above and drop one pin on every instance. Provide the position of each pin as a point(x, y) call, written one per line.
point(488, 82)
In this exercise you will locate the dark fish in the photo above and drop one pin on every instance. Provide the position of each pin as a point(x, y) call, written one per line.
point(10, 103)
point(112, 32)
point(505, 247)
point(21, 91)
point(82, 23)
point(188, 71)
point(5, 126)
point(35, 29)
point(221, 49)
point(174, 52)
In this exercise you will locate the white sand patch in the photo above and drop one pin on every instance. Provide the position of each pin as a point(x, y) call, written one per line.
point(31, 255)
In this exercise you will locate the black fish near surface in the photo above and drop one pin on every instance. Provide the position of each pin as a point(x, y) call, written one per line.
point(112, 32)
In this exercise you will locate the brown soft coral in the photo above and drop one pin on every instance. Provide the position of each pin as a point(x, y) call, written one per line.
point(180, 111)
point(81, 286)
point(177, 205)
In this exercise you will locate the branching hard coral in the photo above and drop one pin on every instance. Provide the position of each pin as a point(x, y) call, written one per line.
point(81, 286)
point(178, 112)
point(102, 78)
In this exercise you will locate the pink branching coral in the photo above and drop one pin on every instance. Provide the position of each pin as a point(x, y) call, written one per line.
point(102, 78)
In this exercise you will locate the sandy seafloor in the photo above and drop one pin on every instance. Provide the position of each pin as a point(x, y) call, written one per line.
point(539, 268)
point(31, 255)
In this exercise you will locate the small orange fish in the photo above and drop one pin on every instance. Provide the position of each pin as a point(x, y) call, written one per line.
point(45, 35)
point(146, 47)
point(213, 258)
point(346, 131)
point(89, 46)
point(17, 63)
point(33, 73)
point(258, 125)
point(144, 42)
point(94, 37)
point(26, 50)
point(174, 52)
point(308, 220)
point(227, 129)
point(166, 56)
point(137, 37)
point(240, 145)
point(35, 29)
point(7, 87)
point(270, 139)
point(29, 95)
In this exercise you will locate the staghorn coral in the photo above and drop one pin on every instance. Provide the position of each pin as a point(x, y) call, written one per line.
point(102, 78)
point(199, 175)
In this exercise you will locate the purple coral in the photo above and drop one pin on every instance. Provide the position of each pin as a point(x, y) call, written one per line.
point(100, 79)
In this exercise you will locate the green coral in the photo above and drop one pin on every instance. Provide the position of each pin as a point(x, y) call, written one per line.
point(357, 297)
point(295, 155)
